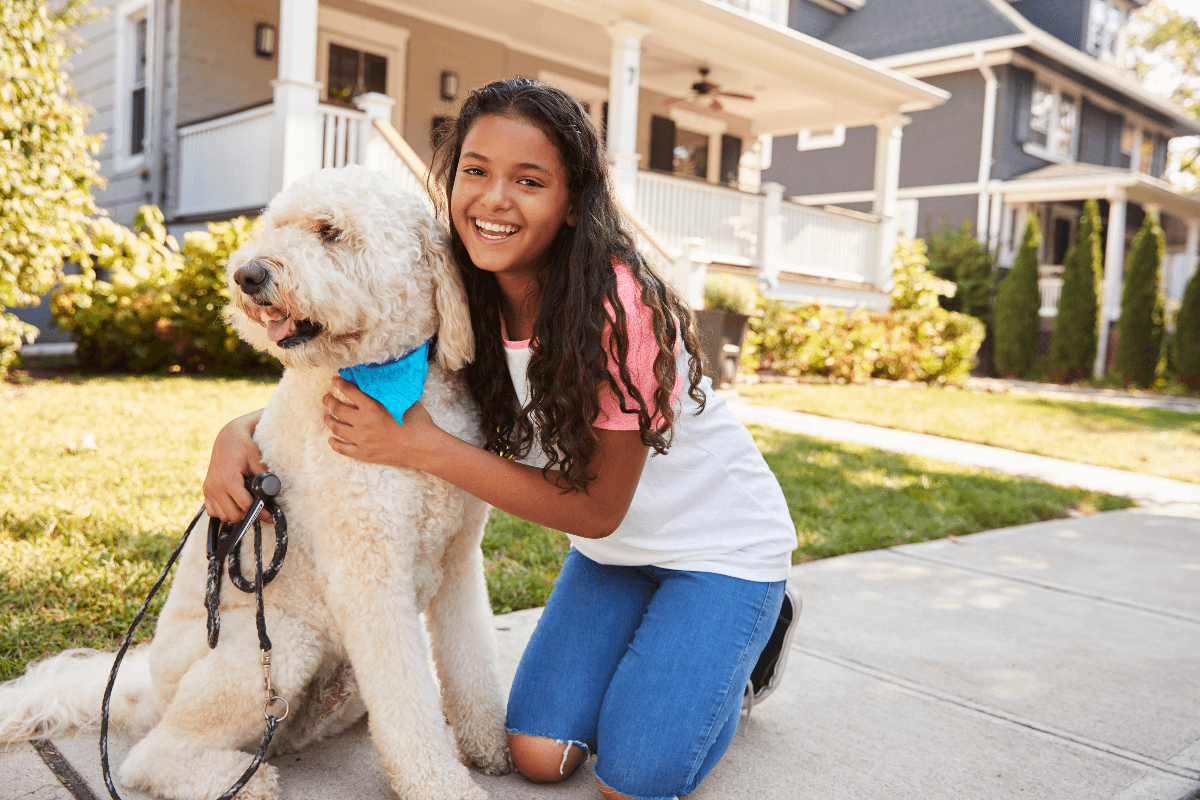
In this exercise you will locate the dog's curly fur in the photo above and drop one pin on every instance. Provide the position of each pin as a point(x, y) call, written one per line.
point(357, 272)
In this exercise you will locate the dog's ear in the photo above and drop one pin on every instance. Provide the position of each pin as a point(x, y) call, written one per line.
point(455, 341)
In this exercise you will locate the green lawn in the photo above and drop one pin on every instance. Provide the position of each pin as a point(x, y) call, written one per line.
point(1150, 440)
point(84, 533)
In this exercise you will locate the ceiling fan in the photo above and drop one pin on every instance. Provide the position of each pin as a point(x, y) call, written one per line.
point(703, 88)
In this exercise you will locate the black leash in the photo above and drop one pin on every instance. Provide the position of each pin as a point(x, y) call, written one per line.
point(223, 540)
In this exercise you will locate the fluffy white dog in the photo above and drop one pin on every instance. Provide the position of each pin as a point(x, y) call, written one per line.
point(345, 269)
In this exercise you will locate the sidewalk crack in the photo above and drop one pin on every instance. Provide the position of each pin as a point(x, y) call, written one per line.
point(62, 769)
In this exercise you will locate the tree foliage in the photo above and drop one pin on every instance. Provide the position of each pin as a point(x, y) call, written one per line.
point(1185, 346)
point(1141, 329)
point(1077, 326)
point(960, 257)
point(914, 287)
point(46, 166)
point(1015, 314)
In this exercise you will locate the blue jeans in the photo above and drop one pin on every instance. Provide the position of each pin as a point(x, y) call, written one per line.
point(644, 667)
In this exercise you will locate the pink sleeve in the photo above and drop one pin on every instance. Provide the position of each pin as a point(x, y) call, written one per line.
point(643, 348)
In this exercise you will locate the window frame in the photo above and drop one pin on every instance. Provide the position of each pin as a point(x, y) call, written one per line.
point(126, 19)
point(1057, 87)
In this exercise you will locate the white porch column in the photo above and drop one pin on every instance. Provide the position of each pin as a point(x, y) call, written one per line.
point(994, 226)
point(1114, 266)
point(770, 234)
point(372, 147)
point(1192, 253)
point(623, 86)
point(690, 272)
point(297, 93)
point(888, 133)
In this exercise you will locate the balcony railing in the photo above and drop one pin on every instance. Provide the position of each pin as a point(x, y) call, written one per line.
point(1049, 289)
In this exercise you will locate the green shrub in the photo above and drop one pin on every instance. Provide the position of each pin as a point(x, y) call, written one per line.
point(1185, 348)
point(1077, 326)
point(960, 257)
point(1015, 314)
point(931, 345)
point(156, 307)
point(731, 293)
point(1141, 328)
point(914, 287)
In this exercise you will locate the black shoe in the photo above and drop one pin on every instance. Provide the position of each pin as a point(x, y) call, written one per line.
point(769, 670)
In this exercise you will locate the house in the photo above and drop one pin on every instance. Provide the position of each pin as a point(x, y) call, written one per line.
point(1041, 118)
point(208, 108)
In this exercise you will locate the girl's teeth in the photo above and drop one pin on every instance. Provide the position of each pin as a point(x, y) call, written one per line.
point(491, 230)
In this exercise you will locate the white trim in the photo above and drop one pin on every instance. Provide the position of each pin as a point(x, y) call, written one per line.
point(367, 35)
point(698, 123)
point(823, 140)
point(126, 14)
point(593, 94)
point(964, 50)
point(868, 195)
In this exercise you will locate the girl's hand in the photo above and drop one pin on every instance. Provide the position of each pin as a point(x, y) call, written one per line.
point(364, 430)
point(234, 456)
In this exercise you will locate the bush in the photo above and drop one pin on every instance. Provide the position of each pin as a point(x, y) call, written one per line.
point(1185, 348)
point(159, 308)
point(1141, 328)
point(1077, 326)
point(1015, 314)
point(931, 345)
point(913, 286)
point(722, 290)
point(960, 257)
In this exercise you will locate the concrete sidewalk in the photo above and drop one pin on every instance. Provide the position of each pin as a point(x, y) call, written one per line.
point(1059, 660)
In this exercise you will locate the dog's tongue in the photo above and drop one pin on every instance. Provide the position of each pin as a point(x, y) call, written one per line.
point(280, 328)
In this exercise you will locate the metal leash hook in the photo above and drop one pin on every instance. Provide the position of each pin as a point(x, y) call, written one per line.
point(272, 698)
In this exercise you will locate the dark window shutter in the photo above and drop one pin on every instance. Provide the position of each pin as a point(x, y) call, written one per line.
point(1158, 160)
point(1022, 86)
point(731, 155)
point(1116, 126)
point(662, 144)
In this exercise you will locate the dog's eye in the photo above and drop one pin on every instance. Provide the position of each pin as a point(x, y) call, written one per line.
point(327, 232)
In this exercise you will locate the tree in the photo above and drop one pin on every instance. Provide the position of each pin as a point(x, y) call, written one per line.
point(1077, 326)
point(1015, 314)
point(960, 257)
point(1141, 329)
point(46, 167)
point(1185, 348)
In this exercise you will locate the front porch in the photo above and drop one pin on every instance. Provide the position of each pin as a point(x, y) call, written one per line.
point(1056, 195)
point(630, 66)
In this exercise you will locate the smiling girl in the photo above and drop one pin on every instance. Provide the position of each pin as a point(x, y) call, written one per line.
point(599, 424)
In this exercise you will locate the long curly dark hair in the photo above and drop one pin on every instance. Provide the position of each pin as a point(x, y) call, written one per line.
point(567, 368)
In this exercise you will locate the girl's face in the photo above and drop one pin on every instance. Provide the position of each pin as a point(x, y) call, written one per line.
point(510, 195)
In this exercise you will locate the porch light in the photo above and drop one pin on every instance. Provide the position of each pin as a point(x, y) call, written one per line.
point(449, 85)
point(264, 40)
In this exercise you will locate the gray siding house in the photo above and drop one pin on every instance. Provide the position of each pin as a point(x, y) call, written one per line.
point(1041, 118)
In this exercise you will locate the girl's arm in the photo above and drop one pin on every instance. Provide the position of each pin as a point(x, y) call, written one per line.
point(234, 455)
point(364, 430)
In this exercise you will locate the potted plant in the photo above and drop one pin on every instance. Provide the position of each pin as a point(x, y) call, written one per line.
point(728, 302)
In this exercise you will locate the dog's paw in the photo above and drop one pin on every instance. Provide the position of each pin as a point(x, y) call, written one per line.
point(263, 786)
point(493, 759)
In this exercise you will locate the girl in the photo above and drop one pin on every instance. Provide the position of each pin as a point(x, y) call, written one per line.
point(586, 361)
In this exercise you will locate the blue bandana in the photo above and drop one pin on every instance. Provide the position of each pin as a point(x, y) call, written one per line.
point(396, 384)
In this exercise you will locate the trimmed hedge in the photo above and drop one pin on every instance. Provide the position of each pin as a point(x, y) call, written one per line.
point(158, 307)
point(917, 341)
point(1015, 314)
point(1142, 327)
point(1077, 326)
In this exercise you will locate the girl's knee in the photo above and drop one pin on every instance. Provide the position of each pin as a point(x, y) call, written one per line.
point(544, 760)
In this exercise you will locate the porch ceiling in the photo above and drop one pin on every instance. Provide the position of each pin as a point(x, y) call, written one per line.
point(797, 81)
point(1067, 182)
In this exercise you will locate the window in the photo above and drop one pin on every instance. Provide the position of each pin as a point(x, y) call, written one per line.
point(1041, 112)
point(353, 73)
point(690, 156)
point(1063, 138)
point(1105, 21)
point(1048, 122)
point(133, 87)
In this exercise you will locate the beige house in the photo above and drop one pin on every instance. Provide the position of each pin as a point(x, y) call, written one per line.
point(209, 108)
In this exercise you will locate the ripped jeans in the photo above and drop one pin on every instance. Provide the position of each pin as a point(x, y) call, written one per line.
point(645, 667)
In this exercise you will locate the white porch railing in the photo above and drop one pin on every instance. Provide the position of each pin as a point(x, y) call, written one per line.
point(1049, 289)
point(225, 163)
point(812, 241)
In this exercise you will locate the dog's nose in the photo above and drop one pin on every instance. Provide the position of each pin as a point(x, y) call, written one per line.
point(251, 277)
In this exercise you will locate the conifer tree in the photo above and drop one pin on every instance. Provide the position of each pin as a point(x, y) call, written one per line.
point(1015, 314)
point(1141, 329)
point(1077, 326)
point(1185, 347)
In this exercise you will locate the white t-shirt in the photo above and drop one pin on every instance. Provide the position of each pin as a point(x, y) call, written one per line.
point(711, 504)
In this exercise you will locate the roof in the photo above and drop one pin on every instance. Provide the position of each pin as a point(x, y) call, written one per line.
point(891, 27)
point(1075, 181)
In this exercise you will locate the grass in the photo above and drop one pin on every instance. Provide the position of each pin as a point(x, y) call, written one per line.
point(84, 533)
point(1148, 440)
